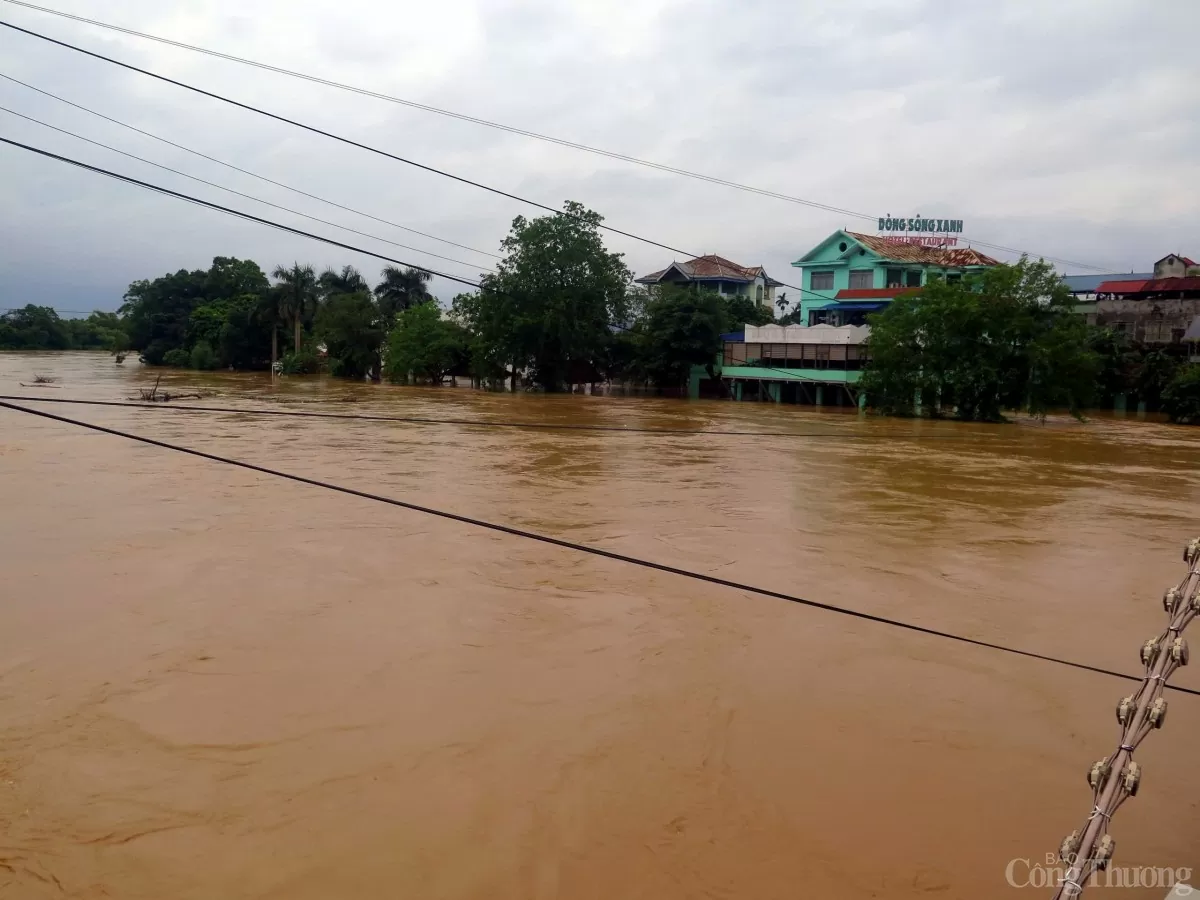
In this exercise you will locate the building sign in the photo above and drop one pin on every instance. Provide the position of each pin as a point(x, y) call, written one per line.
point(920, 231)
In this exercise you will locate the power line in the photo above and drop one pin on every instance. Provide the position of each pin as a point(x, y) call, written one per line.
point(360, 145)
point(580, 548)
point(330, 134)
point(468, 423)
point(232, 191)
point(663, 167)
point(228, 165)
point(233, 212)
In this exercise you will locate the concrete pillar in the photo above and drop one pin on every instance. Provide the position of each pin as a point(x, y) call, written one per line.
point(694, 384)
point(1119, 403)
point(776, 390)
point(820, 395)
point(862, 401)
point(737, 390)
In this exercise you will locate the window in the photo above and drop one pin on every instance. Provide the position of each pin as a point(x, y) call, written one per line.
point(861, 279)
point(914, 278)
point(953, 278)
point(821, 281)
point(895, 277)
point(758, 294)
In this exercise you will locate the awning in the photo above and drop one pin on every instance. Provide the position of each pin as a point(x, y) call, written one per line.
point(853, 307)
point(734, 337)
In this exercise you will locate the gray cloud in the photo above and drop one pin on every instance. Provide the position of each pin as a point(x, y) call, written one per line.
point(1068, 129)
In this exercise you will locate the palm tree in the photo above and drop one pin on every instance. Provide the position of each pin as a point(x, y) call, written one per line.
point(782, 302)
point(348, 281)
point(296, 293)
point(402, 289)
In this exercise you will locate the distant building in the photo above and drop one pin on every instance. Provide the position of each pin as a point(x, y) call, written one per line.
point(1173, 266)
point(1152, 311)
point(1150, 307)
point(848, 270)
point(787, 364)
point(715, 273)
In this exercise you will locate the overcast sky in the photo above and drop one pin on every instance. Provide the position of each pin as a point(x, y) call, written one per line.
point(1068, 128)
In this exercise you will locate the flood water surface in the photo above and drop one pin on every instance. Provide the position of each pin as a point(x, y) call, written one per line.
point(217, 683)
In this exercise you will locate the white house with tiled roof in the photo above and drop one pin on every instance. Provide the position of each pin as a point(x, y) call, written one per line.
point(850, 275)
point(715, 273)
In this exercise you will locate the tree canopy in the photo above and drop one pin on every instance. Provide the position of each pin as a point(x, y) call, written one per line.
point(551, 303)
point(425, 345)
point(1007, 339)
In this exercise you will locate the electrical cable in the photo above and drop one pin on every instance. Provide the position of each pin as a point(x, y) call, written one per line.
point(580, 548)
point(363, 146)
point(213, 184)
point(712, 179)
point(329, 134)
point(469, 423)
point(231, 166)
point(234, 212)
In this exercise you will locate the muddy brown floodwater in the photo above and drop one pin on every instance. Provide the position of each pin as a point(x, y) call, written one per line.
point(219, 684)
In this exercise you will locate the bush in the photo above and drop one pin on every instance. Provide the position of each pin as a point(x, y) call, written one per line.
point(179, 358)
point(306, 362)
point(203, 357)
point(1181, 398)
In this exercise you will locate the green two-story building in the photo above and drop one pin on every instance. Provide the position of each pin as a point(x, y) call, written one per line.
point(849, 274)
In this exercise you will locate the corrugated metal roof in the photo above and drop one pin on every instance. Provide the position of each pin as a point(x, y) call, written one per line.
point(1087, 284)
point(935, 256)
point(1150, 286)
point(875, 293)
point(711, 268)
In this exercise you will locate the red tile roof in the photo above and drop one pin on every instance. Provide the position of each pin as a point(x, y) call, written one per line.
point(1151, 286)
point(875, 293)
point(935, 256)
point(711, 267)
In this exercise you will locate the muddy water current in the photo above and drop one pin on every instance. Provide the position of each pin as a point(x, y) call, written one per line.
point(215, 683)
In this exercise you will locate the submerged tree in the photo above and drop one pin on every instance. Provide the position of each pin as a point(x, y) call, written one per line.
point(351, 328)
point(1008, 339)
point(682, 328)
point(296, 296)
point(550, 305)
point(425, 345)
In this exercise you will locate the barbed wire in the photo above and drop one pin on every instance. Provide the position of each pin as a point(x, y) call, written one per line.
point(1116, 778)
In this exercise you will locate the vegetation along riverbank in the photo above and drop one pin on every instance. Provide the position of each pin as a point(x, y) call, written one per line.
point(561, 309)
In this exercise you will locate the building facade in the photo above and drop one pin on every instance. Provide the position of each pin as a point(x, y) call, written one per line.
point(847, 263)
point(1173, 265)
point(820, 365)
point(717, 274)
point(1150, 311)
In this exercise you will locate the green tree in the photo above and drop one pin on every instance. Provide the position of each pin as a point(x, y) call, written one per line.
point(296, 294)
point(203, 357)
point(401, 289)
point(549, 305)
point(34, 328)
point(1116, 361)
point(1154, 370)
point(1181, 398)
point(246, 331)
point(1006, 340)
point(351, 328)
point(682, 329)
point(347, 281)
point(742, 310)
point(157, 314)
point(425, 345)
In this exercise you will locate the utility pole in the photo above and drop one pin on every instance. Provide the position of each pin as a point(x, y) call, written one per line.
point(1116, 778)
